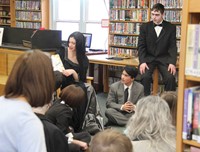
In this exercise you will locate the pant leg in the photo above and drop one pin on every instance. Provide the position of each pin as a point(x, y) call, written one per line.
point(117, 117)
point(146, 79)
point(83, 136)
point(168, 78)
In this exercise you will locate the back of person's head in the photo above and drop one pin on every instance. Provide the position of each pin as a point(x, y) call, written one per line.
point(74, 94)
point(31, 77)
point(171, 98)
point(152, 121)
point(110, 141)
point(80, 42)
point(158, 7)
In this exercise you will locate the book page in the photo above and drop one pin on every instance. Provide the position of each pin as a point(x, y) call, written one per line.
point(57, 63)
point(1, 35)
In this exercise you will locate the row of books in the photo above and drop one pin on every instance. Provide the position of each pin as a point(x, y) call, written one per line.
point(28, 25)
point(145, 3)
point(192, 65)
point(4, 13)
point(4, 2)
point(141, 15)
point(24, 15)
point(4, 21)
point(191, 116)
point(129, 15)
point(129, 3)
point(113, 51)
point(27, 5)
point(133, 28)
point(125, 28)
point(124, 40)
point(173, 15)
point(169, 3)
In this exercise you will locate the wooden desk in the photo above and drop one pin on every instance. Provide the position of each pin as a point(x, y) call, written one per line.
point(101, 60)
point(7, 60)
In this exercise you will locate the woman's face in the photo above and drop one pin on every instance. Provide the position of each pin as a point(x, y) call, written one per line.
point(72, 44)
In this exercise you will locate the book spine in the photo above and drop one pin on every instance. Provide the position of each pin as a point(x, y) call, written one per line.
point(184, 134)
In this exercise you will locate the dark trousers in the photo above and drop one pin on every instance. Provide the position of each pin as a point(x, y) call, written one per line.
point(168, 79)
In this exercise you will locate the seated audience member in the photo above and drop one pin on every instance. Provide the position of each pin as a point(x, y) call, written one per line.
point(30, 84)
point(74, 60)
point(110, 141)
point(68, 111)
point(150, 128)
point(171, 98)
point(54, 137)
point(122, 97)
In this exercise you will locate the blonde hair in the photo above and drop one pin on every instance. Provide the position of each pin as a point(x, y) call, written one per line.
point(152, 121)
point(110, 141)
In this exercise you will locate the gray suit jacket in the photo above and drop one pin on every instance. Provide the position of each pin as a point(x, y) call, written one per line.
point(116, 94)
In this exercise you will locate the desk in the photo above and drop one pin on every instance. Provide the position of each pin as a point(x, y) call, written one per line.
point(101, 60)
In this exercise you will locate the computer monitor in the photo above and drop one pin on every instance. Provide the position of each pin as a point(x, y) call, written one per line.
point(88, 39)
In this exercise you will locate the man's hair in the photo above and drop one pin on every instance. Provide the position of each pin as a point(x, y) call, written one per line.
point(171, 98)
point(32, 77)
point(74, 94)
point(131, 71)
point(110, 141)
point(158, 7)
point(152, 121)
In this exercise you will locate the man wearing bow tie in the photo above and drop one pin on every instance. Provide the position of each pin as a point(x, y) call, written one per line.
point(157, 48)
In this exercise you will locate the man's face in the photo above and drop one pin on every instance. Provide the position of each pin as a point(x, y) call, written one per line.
point(156, 16)
point(126, 79)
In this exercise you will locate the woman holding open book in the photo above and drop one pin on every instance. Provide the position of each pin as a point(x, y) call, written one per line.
point(74, 60)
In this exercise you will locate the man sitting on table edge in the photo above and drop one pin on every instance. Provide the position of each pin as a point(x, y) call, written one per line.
point(122, 97)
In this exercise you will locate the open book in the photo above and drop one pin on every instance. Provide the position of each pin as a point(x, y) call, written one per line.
point(1, 35)
point(57, 63)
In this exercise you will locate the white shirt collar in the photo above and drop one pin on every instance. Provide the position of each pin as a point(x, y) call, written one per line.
point(129, 87)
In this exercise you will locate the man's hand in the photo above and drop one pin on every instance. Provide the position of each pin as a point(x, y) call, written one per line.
point(172, 69)
point(128, 107)
point(143, 67)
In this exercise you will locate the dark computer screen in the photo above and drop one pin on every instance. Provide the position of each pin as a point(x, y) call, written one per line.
point(88, 39)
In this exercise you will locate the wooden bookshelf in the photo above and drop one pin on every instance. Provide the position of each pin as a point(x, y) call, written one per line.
point(32, 14)
point(24, 13)
point(5, 18)
point(191, 13)
point(126, 16)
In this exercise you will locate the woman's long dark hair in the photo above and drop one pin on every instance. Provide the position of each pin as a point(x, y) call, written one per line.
point(80, 54)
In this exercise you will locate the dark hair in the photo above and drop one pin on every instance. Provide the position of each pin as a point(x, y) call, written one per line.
point(32, 77)
point(131, 71)
point(80, 53)
point(171, 98)
point(158, 7)
point(73, 95)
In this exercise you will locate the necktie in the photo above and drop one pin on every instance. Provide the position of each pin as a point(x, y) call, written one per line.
point(126, 95)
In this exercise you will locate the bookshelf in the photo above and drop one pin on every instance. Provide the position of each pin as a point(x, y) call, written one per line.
point(31, 13)
point(5, 18)
point(126, 16)
point(125, 19)
point(191, 13)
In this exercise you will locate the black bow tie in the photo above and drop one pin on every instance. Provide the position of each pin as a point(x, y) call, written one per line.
point(158, 25)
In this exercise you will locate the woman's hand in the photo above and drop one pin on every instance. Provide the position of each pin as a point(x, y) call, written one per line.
point(69, 72)
point(82, 144)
